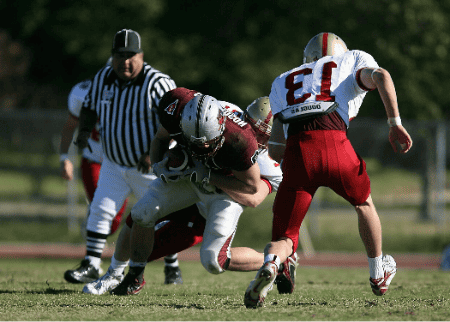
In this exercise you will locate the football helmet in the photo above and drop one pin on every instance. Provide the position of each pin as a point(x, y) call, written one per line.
point(203, 124)
point(259, 115)
point(323, 44)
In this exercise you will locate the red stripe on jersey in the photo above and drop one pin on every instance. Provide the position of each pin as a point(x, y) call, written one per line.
point(324, 44)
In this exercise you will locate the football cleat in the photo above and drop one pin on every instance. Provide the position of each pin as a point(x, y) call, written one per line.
point(380, 285)
point(285, 279)
point(257, 290)
point(85, 273)
point(132, 284)
point(172, 275)
point(104, 284)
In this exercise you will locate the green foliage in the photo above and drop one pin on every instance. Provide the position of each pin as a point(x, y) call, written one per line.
point(234, 49)
point(34, 290)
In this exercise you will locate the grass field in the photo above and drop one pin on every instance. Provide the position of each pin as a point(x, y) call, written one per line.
point(35, 290)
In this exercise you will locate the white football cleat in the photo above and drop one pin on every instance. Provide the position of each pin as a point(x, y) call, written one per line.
point(380, 285)
point(257, 290)
point(104, 284)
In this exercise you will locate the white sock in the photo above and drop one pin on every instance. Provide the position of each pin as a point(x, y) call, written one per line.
point(171, 260)
point(95, 261)
point(118, 266)
point(272, 258)
point(376, 267)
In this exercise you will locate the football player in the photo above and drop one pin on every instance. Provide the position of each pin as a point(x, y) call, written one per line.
point(185, 228)
point(312, 106)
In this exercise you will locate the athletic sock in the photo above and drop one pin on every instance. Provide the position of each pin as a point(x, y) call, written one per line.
point(94, 261)
point(376, 267)
point(117, 266)
point(95, 243)
point(272, 258)
point(137, 267)
point(171, 260)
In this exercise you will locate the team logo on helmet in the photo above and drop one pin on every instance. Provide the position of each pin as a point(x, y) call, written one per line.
point(171, 108)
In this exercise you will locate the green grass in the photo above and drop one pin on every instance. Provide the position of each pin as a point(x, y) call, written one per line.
point(396, 194)
point(33, 290)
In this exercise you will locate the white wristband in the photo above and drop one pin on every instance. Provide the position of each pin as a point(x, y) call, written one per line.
point(394, 121)
point(63, 157)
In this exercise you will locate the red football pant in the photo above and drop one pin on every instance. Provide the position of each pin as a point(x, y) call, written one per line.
point(313, 159)
point(184, 229)
point(90, 172)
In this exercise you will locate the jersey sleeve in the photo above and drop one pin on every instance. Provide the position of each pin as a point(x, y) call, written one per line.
point(270, 170)
point(76, 97)
point(159, 88)
point(362, 60)
point(276, 102)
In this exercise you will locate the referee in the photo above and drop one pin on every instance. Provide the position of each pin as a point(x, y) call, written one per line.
point(124, 99)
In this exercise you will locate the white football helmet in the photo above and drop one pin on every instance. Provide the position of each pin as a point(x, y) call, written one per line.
point(203, 124)
point(259, 115)
point(323, 44)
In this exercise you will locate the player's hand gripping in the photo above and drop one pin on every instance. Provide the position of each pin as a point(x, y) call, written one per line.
point(82, 140)
point(399, 134)
point(160, 170)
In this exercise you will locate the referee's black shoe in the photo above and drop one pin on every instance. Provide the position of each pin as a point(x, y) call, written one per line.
point(85, 273)
point(172, 275)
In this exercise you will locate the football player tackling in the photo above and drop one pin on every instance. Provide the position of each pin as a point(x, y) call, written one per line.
point(186, 227)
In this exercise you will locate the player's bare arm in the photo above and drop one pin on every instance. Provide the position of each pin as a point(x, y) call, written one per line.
point(88, 118)
point(66, 166)
point(159, 144)
point(249, 200)
point(241, 181)
point(380, 79)
point(277, 141)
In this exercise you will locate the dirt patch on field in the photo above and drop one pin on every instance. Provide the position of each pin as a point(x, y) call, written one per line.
point(335, 259)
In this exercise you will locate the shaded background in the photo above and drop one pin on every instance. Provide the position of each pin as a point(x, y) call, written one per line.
point(232, 50)
point(229, 49)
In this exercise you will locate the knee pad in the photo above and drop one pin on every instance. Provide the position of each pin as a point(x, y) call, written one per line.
point(144, 212)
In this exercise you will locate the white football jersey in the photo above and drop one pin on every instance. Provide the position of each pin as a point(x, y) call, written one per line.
point(329, 79)
point(75, 103)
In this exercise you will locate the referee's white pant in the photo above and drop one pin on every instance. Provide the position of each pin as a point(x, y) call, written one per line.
point(220, 211)
point(114, 185)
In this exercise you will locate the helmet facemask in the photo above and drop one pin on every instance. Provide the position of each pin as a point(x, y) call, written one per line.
point(203, 124)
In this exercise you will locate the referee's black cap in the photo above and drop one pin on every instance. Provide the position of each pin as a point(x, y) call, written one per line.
point(127, 40)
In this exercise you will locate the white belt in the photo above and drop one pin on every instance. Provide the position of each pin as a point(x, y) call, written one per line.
point(307, 110)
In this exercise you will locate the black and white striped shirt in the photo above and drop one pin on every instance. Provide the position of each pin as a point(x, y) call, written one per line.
point(127, 111)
